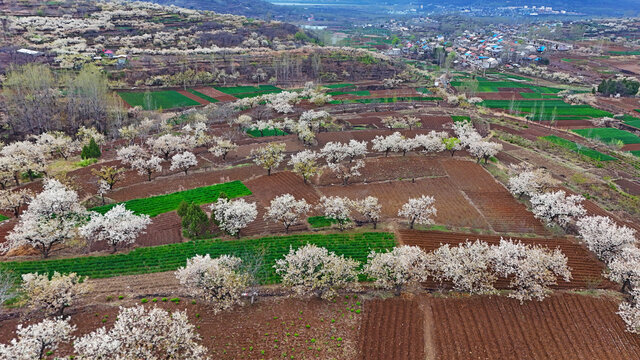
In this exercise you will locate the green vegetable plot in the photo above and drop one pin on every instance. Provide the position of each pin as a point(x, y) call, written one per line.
point(170, 257)
point(168, 99)
point(582, 150)
point(609, 135)
point(157, 205)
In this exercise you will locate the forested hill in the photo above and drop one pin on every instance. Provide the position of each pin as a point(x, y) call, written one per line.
point(251, 8)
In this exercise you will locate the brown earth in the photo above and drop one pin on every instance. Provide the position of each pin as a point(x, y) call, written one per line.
point(392, 329)
point(193, 97)
point(272, 328)
point(216, 94)
point(563, 326)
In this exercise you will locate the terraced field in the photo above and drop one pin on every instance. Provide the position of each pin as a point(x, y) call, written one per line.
point(154, 100)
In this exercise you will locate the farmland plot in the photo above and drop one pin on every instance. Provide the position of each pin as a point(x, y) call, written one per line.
point(392, 329)
point(563, 326)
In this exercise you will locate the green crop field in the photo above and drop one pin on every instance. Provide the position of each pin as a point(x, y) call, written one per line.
point(534, 95)
point(203, 96)
point(609, 135)
point(170, 257)
point(460, 118)
point(157, 205)
point(385, 100)
point(582, 150)
point(321, 221)
point(545, 109)
point(624, 53)
point(635, 152)
point(338, 86)
point(357, 93)
point(265, 133)
point(3, 218)
point(248, 91)
point(166, 99)
point(484, 85)
point(631, 121)
point(423, 90)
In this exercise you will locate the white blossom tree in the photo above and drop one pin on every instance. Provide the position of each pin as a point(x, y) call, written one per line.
point(286, 210)
point(406, 145)
point(183, 161)
point(387, 144)
point(466, 133)
point(147, 165)
point(395, 269)
point(57, 143)
point(604, 237)
point(334, 152)
point(469, 266)
point(629, 311)
point(625, 268)
point(431, 142)
point(35, 340)
point(118, 226)
point(532, 268)
point(52, 296)
point(529, 182)
point(140, 334)
point(369, 208)
point(15, 200)
point(222, 147)
point(219, 280)
point(346, 170)
point(131, 153)
point(233, 216)
point(355, 149)
point(51, 219)
point(419, 210)
point(26, 157)
point(484, 150)
point(168, 144)
point(305, 164)
point(557, 207)
point(269, 156)
point(313, 270)
point(336, 208)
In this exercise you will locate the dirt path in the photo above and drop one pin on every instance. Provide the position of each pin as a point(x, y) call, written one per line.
point(193, 97)
point(216, 94)
point(429, 345)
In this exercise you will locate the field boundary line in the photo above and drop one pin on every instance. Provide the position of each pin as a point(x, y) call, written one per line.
point(427, 313)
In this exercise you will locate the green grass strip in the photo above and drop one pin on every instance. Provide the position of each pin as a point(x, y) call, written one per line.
point(577, 148)
point(203, 96)
point(609, 135)
point(161, 204)
point(356, 93)
point(3, 218)
point(321, 221)
point(170, 257)
point(233, 90)
point(460, 118)
point(338, 86)
point(385, 100)
point(265, 133)
point(167, 99)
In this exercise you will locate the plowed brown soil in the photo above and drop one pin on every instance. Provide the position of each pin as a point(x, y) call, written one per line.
point(563, 326)
point(392, 329)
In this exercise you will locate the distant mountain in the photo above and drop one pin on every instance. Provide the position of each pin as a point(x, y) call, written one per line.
point(250, 8)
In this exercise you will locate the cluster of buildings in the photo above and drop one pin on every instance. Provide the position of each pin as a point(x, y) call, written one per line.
point(477, 50)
